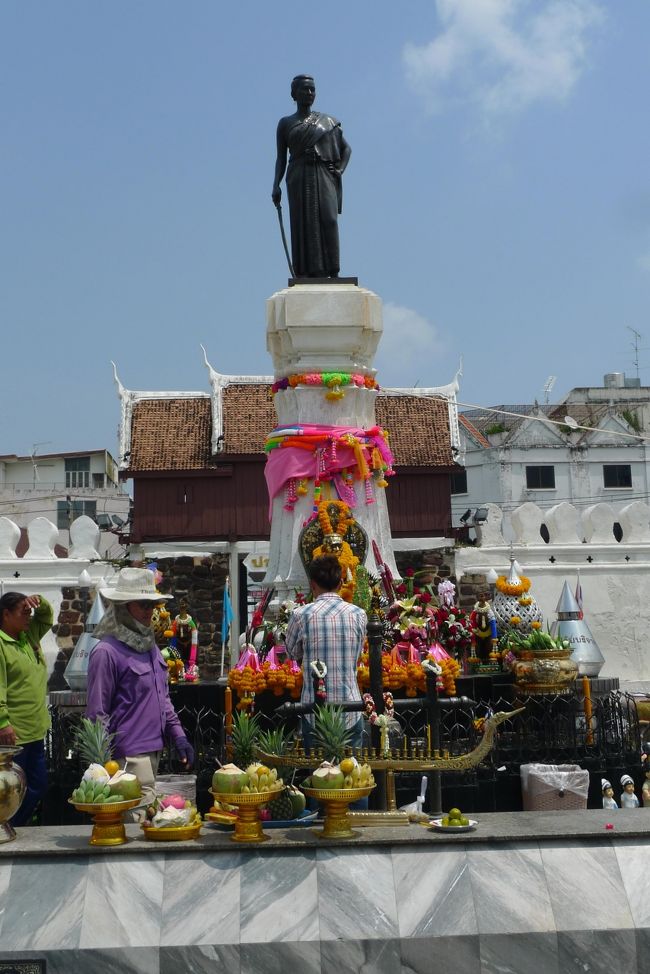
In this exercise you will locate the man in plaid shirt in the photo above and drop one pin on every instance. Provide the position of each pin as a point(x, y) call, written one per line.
point(332, 631)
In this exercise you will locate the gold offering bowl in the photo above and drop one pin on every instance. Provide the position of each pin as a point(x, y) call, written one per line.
point(108, 827)
point(337, 824)
point(12, 790)
point(248, 825)
point(174, 833)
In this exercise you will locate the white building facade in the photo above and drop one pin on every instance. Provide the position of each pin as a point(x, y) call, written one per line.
point(63, 487)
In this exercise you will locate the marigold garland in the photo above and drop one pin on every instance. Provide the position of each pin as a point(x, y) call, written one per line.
point(510, 588)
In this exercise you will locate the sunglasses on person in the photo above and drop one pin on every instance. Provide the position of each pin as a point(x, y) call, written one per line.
point(145, 604)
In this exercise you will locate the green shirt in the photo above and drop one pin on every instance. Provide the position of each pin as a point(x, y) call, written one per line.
point(23, 678)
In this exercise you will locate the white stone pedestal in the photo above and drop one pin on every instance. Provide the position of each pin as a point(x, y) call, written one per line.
point(313, 329)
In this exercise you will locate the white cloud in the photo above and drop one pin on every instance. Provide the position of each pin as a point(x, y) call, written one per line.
point(409, 349)
point(503, 55)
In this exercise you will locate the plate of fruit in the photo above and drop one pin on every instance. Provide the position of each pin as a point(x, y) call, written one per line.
point(453, 821)
point(171, 818)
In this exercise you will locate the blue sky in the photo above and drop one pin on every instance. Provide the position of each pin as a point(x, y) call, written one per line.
point(497, 198)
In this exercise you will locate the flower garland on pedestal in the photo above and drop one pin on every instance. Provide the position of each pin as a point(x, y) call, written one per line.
point(337, 455)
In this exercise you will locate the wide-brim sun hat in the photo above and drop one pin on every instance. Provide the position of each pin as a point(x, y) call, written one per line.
point(134, 585)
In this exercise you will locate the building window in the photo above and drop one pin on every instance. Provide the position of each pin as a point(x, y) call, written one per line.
point(617, 475)
point(69, 511)
point(77, 472)
point(540, 478)
point(459, 481)
point(98, 481)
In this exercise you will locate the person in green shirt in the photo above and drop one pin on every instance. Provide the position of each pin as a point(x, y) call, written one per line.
point(24, 717)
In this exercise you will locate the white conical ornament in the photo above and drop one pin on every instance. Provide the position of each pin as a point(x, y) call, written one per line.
point(76, 672)
point(571, 626)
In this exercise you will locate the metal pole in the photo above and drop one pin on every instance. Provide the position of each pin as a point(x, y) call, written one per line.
point(433, 721)
point(375, 632)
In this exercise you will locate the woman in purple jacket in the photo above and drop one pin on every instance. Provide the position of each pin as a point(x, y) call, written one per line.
point(127, 680)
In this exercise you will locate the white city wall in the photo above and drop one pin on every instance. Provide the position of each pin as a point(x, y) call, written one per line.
point(41, 572)
point(614, 576)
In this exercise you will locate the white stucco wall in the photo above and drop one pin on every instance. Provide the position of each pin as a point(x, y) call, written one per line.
point(615, 577)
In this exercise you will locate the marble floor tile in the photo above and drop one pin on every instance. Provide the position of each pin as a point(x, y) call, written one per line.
point(5, 876)
point(441, 955)
point(519, 953)
point(597, 951)
point(634, 862)
point(643, 951)
point(123, 905)
point(45, 904)
point(510, 892)
point(433, 892)
point(136, 960)
point(200, 960)
point(280, 958)
point(279, 896)
point(204, 910)
point(361, 957)
point(356, 894)
point(585, 886)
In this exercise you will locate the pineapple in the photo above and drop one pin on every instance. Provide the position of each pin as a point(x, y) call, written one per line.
point(245, 731)
point(93, 741)
point(330, 732)
point(277, 742)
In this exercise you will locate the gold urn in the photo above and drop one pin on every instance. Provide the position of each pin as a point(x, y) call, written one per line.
point(13, 786)
point(543, 671)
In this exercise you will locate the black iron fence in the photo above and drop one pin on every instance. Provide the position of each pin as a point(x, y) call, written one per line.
point(551, 730)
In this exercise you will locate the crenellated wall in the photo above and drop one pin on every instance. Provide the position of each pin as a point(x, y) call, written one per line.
point(40, 571)
point(614, 574)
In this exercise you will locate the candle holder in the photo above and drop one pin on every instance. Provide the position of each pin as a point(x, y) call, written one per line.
point(108, 826)
point(337, 824)
point(248, 825)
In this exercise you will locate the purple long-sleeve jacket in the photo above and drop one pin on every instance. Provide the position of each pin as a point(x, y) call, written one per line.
point(128, 690)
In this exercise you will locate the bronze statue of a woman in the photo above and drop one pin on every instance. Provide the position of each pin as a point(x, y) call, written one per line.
point(318, 155)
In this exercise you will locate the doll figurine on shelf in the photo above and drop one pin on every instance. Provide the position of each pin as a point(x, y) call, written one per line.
point(645, 791)
point(185, 636)
point(483, 627)
point(608, 794)
point(628, 798)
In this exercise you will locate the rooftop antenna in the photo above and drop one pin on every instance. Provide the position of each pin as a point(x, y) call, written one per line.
point(635, 346)
point(548, 386)
point(35, 447)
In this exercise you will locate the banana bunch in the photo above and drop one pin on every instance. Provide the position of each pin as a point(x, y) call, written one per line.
point(261, 778)
point(540, 641)
point(93, 793)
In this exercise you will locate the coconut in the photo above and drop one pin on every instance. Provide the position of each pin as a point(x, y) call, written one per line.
point(327, 776)
point(229, 780)
point(96, 772)
point(125, 785)
point(298, 801)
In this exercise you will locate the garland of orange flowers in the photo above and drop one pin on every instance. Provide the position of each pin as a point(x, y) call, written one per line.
point(279, 680)
point(411, 676)
point(345, 519)
point(510, 588)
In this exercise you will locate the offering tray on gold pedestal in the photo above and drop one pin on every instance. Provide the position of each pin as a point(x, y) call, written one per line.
point(108, 827)
point(402, 760)
point(174, 833)
point(248, 825)
point(337, 824)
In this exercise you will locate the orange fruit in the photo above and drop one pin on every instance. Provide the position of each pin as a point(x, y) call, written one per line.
point(112, 767)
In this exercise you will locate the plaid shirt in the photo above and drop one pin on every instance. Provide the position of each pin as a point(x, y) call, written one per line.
point(333, 631)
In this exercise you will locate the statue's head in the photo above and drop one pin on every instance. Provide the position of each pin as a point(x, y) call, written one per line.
point(333, 544)
point(303, 86)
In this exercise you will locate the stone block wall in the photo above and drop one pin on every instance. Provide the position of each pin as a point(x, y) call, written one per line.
point(441, 562)
point(200, 581)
